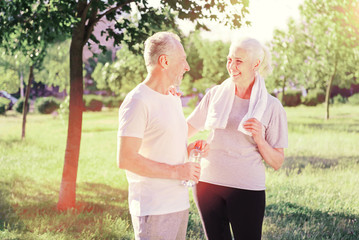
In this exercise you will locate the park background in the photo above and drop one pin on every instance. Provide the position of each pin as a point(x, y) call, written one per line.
point(315, 56)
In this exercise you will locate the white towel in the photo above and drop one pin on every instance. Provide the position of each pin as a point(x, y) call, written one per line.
point(221, 103)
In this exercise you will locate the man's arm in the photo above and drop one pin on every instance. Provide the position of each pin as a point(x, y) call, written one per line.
point(128, 158)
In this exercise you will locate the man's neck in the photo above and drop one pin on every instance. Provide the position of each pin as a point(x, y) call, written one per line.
point(157, 82)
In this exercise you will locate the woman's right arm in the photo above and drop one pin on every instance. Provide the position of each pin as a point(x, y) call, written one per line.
point(191, 130)
point(196, 120)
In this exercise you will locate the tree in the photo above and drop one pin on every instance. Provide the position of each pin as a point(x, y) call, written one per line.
point(287, 51)
point(214, 55)
point(27, 27)
point(79, 18)
point(207, 60)
point(55, 69)
point(123, 74)
point(12, 72)
point(333, 35)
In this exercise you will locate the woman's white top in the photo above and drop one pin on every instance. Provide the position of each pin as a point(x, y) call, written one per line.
point(234, 159)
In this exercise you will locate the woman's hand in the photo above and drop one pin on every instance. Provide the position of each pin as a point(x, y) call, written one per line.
point(253, 126)
point(201, 145)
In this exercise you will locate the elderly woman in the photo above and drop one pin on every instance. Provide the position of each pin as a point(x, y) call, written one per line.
point(247, 125)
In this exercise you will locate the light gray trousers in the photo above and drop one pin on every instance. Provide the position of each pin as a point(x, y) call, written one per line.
point(171, 226)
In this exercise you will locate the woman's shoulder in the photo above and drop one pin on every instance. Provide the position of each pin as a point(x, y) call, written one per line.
point(274, 104)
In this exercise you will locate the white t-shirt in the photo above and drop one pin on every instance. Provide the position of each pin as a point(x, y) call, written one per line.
point(159, 121)
point(234, 159)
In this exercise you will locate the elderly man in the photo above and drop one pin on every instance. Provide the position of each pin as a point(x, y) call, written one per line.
point(152, 144)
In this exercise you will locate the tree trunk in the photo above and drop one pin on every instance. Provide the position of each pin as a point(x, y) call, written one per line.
point(67, 195)
point(25, 107)
point(21, 84)
point(328, 91)
point(283, 92)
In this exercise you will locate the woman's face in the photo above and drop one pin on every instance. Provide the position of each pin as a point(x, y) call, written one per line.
point(240, 66)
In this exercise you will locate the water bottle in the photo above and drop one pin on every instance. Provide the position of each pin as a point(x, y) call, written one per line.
point(194, 156)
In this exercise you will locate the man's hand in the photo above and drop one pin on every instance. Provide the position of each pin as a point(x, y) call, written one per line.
point(189, 171)
point(131, 160)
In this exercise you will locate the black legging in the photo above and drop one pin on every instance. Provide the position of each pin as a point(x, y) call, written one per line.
point(223, 206)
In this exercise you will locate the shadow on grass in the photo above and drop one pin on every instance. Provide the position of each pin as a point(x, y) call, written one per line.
point(290, 221)
point(347, 127)
point(8, 217)
point(104, 198)
point(101, 211)
point(298, 163)
point(99, 129)
point(9, 143)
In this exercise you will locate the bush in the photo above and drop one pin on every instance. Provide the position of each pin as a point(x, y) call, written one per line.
point(192, 103)
point(47, 105)
point(112, 102)
point(314, 97)
point(93, 103)
point(64, 106)
point(19, 105)
point(4, 103)
point(354, 99)
point(339, 99)
point(291, 98)
point(2, 108)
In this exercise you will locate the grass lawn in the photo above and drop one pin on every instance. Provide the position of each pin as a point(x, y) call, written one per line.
point(315, 195)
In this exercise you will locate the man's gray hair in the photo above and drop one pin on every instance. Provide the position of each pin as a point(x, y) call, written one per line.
point(256, 51)
point(158, 44)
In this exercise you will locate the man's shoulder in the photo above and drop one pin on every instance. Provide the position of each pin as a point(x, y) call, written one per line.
point(138, 92)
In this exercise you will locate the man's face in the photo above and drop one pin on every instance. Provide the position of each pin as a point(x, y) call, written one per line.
point(178, 65)
point(239, 65)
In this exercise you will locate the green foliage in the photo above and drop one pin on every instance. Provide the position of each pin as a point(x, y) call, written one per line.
point(228, 13)
point(214, 55)
point(320, 50)
point(207, 60)
point(112, 101)
point(64, 108)
point(339, 99)
point(126, 72)
point(287, 58)
point(29, 26)
point(93, 103)
point(12, 70)
point(192, 103)
point(291, 98)
point(331, 28)
point(56, 69)
point(47, 105)
point(3, 105)
point(19, 105)
point(192, 44)
point(2, 108)
point(354, 99)
point(314, 97)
